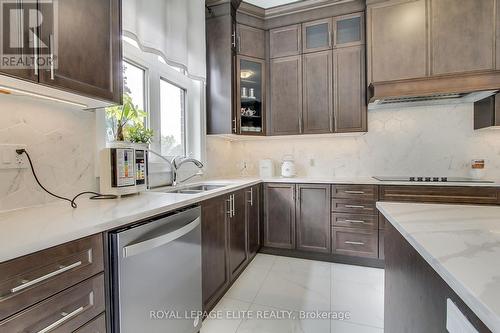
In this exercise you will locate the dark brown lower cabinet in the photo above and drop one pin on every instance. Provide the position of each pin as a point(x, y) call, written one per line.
point(237, 233)
point(279, 215)
point(253, 216)
point(415, 295)
point(215, 260)
point(97, 325)
point(71, 309)
point(313, 217)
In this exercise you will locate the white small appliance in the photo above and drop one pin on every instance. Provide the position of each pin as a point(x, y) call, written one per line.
point(266, 168)
point(288, 168)
point(123, 170)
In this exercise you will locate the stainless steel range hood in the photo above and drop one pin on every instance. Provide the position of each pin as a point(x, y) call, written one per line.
point(455, 89)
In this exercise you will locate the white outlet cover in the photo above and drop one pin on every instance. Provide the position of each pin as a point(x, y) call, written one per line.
point(10, 159)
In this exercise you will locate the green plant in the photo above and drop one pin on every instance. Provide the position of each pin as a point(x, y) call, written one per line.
point(124, 115)
point(139, 134)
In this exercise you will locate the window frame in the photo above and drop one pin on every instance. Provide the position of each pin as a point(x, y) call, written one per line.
point(145, 88)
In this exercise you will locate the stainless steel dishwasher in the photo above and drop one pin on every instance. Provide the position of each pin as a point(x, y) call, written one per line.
point(156, 275)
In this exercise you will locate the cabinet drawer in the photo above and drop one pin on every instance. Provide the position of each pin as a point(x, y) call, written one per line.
point(354, 206)
point(355, 221)
point(27, 280)
point(364, 192)
point(355, 242)
point(441, 194)
point(64, 312)
point(97, 325)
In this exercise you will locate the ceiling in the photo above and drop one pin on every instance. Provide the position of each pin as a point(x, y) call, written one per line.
point(270, 3)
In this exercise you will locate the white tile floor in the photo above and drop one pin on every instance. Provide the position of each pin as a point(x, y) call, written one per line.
point(273, 285)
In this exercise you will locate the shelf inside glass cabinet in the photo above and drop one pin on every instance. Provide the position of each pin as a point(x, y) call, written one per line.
point(250, 101)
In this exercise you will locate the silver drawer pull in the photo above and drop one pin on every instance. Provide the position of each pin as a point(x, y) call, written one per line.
point(45, 277)
point(354, 221)
point(355, 192)
point(354, 243)
point(66, 317)
point(355, 206)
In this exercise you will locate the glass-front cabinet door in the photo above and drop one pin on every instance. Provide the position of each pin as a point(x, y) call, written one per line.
point(349, 30)
point(251, 97)
point(317, 35)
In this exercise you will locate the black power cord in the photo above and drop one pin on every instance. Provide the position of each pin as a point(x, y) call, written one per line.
point(96, 196)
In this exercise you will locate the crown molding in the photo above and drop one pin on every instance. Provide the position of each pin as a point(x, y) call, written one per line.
point(291, 8)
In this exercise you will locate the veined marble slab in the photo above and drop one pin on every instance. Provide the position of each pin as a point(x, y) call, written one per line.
point(462, 244)
point(32, 229)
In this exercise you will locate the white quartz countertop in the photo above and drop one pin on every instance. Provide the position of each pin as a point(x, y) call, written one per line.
point(462, 244)
point(32, 229)
point(369, 181)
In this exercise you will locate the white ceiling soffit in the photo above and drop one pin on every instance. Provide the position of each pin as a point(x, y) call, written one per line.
point(270, 3)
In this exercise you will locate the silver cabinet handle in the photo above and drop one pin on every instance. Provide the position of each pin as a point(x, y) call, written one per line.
point(138, 248)
point(233, 35)
point(354, 206)
point(355, 221)
point(251, 196)
point(239, 43)
point(354, 243)
point(229, 211)
point(300, 123)
point(354, 192)
point(66, 317)
point(51, 45)
point(234, 126)
point(234, 208)
point(45, 277)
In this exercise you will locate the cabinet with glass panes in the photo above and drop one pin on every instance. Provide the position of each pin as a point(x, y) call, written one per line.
point(250, 106)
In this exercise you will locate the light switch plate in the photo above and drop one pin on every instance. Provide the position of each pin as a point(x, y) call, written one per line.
point(10, 159)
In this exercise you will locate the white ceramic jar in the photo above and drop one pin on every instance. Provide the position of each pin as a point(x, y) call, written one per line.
point(288, 169)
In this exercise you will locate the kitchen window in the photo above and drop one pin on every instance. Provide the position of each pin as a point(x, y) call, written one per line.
point(172, 114)
point(173, 101)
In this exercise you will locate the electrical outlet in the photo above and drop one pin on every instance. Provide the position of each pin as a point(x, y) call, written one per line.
point(10, 159)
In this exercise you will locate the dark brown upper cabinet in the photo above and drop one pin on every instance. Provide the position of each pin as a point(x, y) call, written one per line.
point(250, 101)
point(221, 69)
point(317, 35)
point(349, 30)
point(90, 66)
point(397, 42)
point(313, 218)
point(462, 36)
point(317, 92)
point(25, 49)
point(251, 41)
point(349, 89)
point(85, 47)
point(286, 95)
point(285, 41)
point(279, 215)
point(238, 254)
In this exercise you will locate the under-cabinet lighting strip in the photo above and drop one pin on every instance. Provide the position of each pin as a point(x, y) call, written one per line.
point(8, 91)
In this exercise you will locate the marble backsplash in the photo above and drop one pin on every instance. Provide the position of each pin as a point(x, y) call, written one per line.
point(433, 140)
point(61, 142)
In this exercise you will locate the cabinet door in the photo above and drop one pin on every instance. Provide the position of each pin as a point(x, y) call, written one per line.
point(349, 89)
point(279, 215)
point(397, 40)
point(251, 42)
point(87, 48)
point(237, 234)
point(317, 35)
point(349, 30)
point(317, 92)
point(215, 272)
point(253, 216)
point(21, 39)
point(250, 105)
point(313, 217)
point(286, 95)
point(463, 35)
point(285, 41)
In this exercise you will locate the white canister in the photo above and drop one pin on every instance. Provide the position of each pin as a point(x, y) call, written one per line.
point(266, 168)
point(288, 169)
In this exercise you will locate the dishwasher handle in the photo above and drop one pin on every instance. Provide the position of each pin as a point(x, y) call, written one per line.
point(138, 248)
